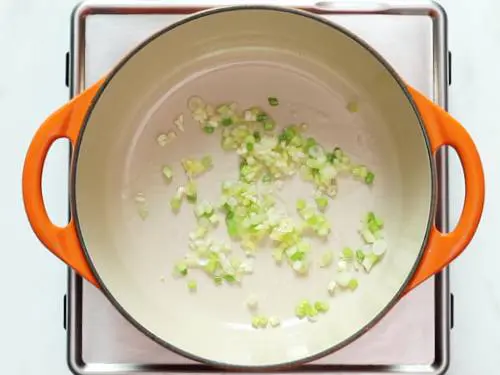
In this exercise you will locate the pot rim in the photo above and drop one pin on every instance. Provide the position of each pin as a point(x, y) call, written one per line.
point(173, 348)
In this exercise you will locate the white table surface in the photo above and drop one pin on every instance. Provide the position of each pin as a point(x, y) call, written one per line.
point(34, 35)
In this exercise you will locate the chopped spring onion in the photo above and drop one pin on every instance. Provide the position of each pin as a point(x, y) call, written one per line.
point(208, 129)
point(176, 200)
point(347, 254)
point(181, 269)
point(326, 259)
point(373, 222)
point(343, 279)
point(373, 236)
point(353, 284)
point(260, 321)
point(195, 167)
point(369, 178)
point(360, 256)
point(167, 173)
point(269, 125)
point(342, 265)
point(252, 216)
point(192, 285)
point(361, 172)
point(273, 101)
point(213, 258)
point(262, 117)
point(321, 202)
point(274, 321)
point(332, 285)
point(199, 233)
point(369, 261)
point(301, 204)
point(206, 215)
point(226, 121)
point(306, 309)
point(229, 278)
point(379, 247)
point(368, 236)
point(176, 203)
point(321, 306)
point(302, 309)
point(313, 220)
point(352, 107)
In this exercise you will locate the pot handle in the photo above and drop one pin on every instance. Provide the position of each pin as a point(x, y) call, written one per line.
point(64, 123)
point(444, 130)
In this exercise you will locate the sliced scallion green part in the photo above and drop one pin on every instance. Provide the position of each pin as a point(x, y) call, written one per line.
point(369, 178)
point(229, 278)
point(167, 173)
point(176, 203)
point(227, 121)
point(352, 106)
point(360, 256)
point(260, 321)
point(192, 285)
point(269, 125)
point(191, 192)
point(262, 117)
point(303, 309)
point(353, 284)
point(347, 254)
point(321, 202)
point(208, 129)
point(322, 306)
point(273, 101)
point(181, 269)
point(195, 167)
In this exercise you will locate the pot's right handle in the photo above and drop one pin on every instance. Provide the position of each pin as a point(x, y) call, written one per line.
point(64, 123)
point(444, 130)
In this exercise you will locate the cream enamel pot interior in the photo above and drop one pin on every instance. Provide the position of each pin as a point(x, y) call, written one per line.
point(246, 54)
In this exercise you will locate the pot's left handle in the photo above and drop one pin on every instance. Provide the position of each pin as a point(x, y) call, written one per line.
point(444, 130)
point(64, 123)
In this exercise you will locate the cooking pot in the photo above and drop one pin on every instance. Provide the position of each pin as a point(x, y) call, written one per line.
point(124, 237)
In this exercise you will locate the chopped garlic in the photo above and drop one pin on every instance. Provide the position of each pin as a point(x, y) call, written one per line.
point(142, 208)
point(195, 103)
point(140, 198)
point(332, 285)
point(162, 140)
point(179, 122)
point(252, 302)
